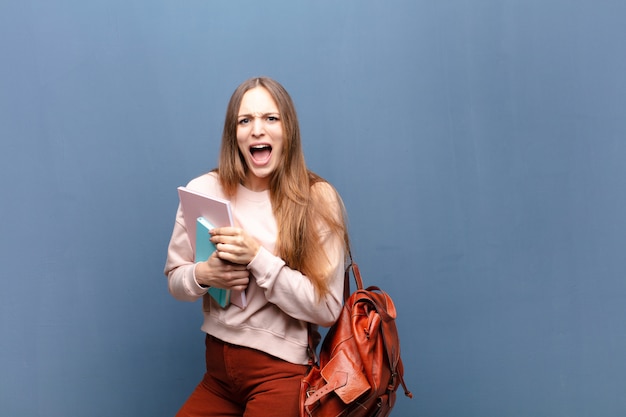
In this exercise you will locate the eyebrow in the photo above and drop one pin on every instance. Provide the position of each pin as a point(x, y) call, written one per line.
point(261, 115)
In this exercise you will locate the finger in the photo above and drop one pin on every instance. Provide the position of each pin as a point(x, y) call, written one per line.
point(232, 257)
point(235, 279)
point(240, 287)
point(231, 247)
point(224, 231)
point(223, 255)
point(229, 266)
point(226, 239)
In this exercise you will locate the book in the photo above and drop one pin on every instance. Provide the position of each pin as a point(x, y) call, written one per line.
point(217, 212)
point(204, 250)
point(194, 204)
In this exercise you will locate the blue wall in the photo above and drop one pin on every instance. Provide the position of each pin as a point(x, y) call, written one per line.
point(479, 146)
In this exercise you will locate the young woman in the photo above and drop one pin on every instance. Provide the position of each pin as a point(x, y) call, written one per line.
point(287, 252)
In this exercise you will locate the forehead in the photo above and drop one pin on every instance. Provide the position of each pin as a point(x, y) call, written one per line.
point(257, 101)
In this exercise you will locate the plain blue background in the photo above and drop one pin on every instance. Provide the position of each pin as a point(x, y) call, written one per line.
point(479, 145)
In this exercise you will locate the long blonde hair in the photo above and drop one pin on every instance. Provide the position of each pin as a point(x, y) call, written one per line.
point(303, 203)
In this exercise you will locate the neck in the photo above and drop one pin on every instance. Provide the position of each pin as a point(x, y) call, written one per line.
point(256, 184)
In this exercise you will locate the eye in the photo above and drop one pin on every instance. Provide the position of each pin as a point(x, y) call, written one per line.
point(272, 118)
point(244, 121)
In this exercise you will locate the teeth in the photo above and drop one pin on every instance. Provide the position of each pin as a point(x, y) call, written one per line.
point(260, 148)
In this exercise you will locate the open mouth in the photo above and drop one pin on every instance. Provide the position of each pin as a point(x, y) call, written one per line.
point(261, 153)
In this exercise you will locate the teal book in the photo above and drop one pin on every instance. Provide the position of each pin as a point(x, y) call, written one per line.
point(204, 249)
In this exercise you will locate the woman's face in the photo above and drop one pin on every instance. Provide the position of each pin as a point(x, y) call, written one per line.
point(259, 136)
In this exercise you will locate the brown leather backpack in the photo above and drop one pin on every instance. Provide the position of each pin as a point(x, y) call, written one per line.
point(359, 367)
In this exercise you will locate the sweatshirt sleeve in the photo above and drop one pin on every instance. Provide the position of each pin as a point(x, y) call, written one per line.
point(292, 291)
point(180, 266)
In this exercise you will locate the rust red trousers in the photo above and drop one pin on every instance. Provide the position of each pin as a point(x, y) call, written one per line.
point(244, 382)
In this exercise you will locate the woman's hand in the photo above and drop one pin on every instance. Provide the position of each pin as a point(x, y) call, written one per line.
point(218, 273)
point(234, 245)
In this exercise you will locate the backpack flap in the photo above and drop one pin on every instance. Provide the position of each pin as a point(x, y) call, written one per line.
point(342, 376)
point(356, 383)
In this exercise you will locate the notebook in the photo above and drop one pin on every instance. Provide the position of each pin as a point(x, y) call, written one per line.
point(215, 210)
point(204, 249)
point(217, 213)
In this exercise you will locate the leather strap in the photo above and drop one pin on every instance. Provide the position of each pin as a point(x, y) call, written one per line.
point(338, 380)
point(346, 278)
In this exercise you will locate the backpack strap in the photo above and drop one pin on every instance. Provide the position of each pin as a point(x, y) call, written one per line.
point(313, 359)
point(356, 273)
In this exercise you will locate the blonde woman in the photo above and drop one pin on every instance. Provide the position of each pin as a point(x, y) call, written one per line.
point(287, 252)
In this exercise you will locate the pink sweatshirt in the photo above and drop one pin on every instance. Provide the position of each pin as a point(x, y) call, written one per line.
point(280, 300)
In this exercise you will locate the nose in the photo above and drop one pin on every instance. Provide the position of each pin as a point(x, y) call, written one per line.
point(257, 126)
